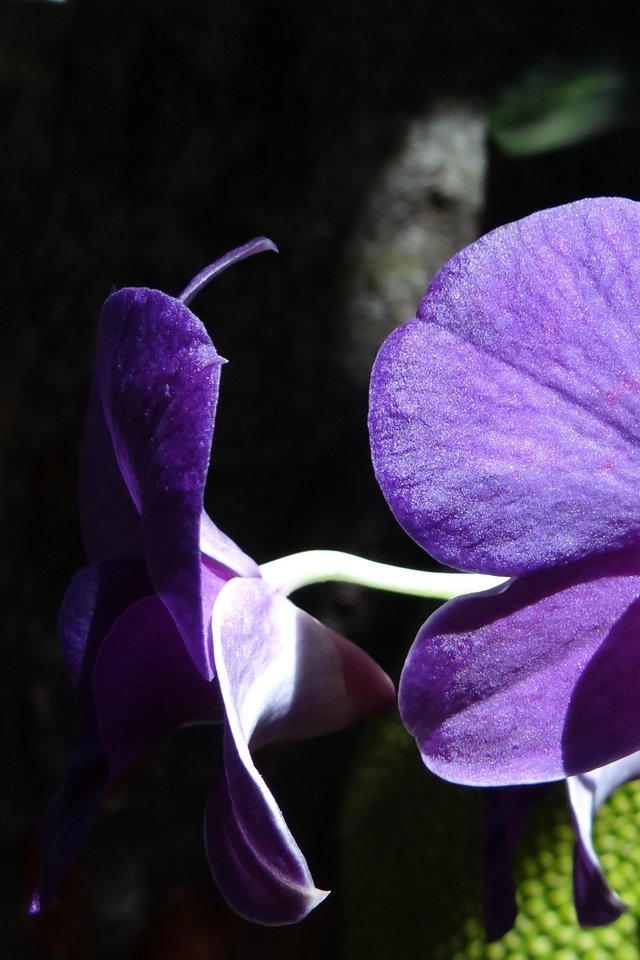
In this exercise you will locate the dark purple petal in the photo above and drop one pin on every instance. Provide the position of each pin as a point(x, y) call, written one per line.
point(505, 418)
point(596, 903)
point(533, 681)
point(158, 376)
point(506, 810)
point(281, 673)
point(110, 521)
point(146, 684)
point(68, 819)
point(94, 599)
point(254, 859)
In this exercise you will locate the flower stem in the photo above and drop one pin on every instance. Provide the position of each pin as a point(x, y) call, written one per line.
point(319, 566)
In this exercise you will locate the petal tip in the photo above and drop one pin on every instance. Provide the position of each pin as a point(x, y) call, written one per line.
point(35, 906)
point(370, 691)
point(315, 898)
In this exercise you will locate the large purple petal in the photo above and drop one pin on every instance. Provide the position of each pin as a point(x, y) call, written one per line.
point(533, 681)
point(158, 376)
point(505, 418)
point(281, 673)
point(596, 903)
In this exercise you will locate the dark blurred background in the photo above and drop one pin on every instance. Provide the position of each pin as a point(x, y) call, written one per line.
point(369, 139)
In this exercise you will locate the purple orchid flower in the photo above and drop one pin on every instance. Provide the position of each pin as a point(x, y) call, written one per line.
point(172, 623)
point(505, 431)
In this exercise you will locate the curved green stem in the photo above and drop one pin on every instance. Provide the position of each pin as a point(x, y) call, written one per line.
point(319, 566)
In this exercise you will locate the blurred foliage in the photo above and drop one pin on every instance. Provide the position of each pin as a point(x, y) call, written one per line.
point(412, 849)
point(561, 104)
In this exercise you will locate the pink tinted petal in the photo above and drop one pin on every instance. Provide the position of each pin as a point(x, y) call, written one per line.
point(596, 903)
point(158, 375)
point(281, 673)
point(505, 418)
point(146, 684)
point(533, 681)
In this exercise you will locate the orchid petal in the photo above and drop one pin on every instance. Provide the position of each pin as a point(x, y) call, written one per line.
point(253, 856)
point(146, 684)
point(158, 375)
point(505, 417)
point(111, 525)
point(506, 810)
point(530, 682)
point(596, 903)
point(281, 673)
point(68, 819)
point(94, 599)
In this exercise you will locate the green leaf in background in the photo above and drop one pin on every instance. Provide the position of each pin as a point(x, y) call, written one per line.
point(561, 105)
point(411, 848)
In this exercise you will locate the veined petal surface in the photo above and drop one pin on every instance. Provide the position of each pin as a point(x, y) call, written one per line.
point(533, 681)
point(158, 377)
point(281, 673)
point(505, 417)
